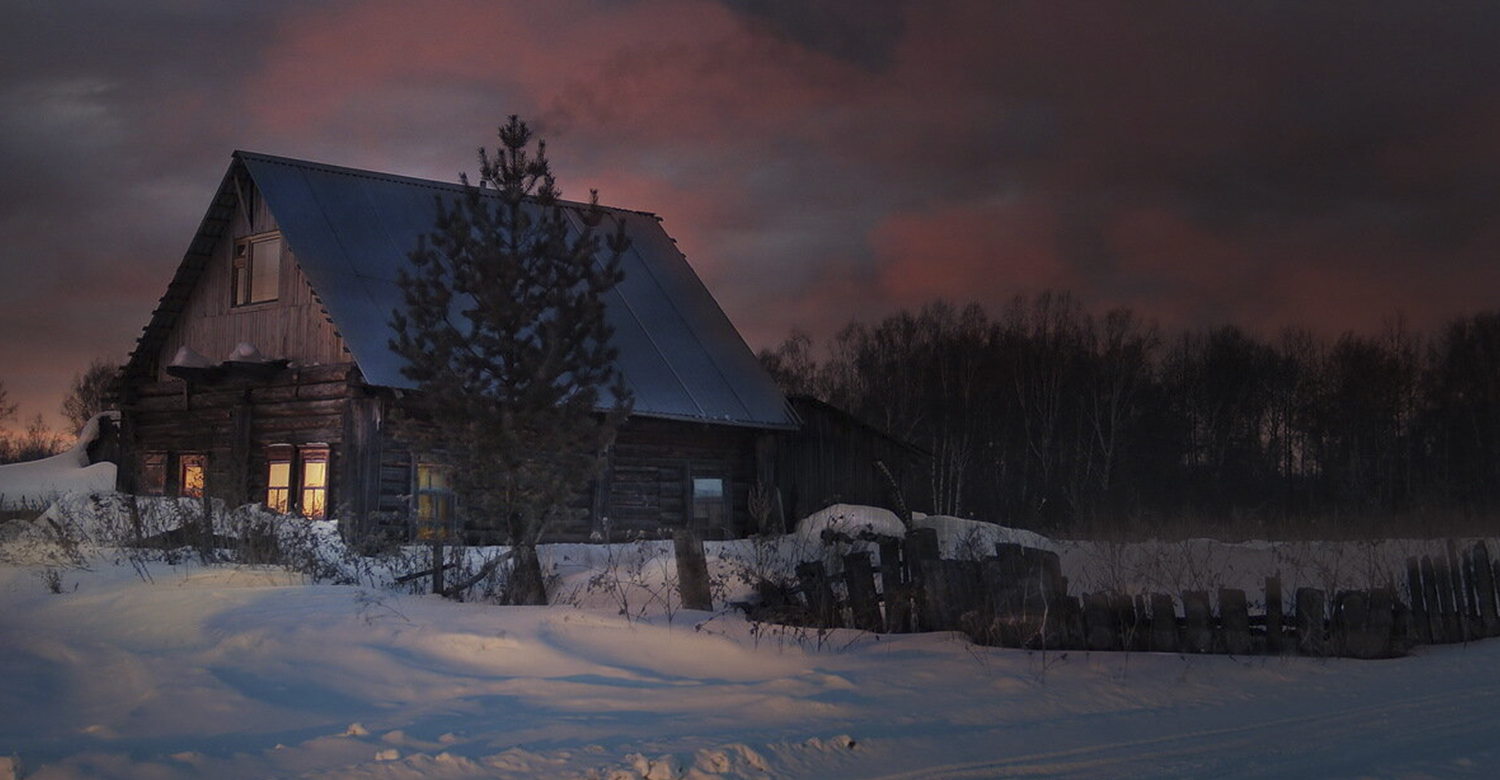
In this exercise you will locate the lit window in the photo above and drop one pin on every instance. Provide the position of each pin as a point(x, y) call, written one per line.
point(314, 501)
point(710, 506)
point(153, 474)
point(279, 479)
point(257, 269)
point(434, 495)
point(191, 473)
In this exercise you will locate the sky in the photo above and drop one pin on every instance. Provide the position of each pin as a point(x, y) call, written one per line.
point(1258, 163)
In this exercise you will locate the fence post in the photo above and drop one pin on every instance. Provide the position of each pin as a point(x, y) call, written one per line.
point(1198, 636)
point(1463, 583)
point(692, 570)
point(921, 549)
point(813, 580)
point(1421, 626)
point(1234, 621)
point(1163, 623)
point(1275, 625)
point(864, 602)
point(896, 588)
point(1100, 629)
point(1452, 629)
point(1431, 592)
point(1310, 616)
point(1382, 625)
point(1484, 582)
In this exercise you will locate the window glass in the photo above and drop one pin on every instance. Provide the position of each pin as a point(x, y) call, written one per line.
point(191, 474)
point(279, 486)
point(153, 474)
point(314, 501)
point(709, 507)
point(257, 270)
point(265, 270)
point(434, 499)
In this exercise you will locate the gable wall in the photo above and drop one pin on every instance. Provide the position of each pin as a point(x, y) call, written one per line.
point(294, 326)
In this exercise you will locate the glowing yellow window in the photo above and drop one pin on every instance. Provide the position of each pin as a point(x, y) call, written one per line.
point(314, 501)
point(434, 496)
point(191, 474)
point(279, 479)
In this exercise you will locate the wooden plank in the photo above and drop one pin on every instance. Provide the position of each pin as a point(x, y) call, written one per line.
point(1311, 622)
point(1234, 621)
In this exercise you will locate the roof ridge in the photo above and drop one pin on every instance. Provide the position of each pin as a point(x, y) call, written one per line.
point(433, 184)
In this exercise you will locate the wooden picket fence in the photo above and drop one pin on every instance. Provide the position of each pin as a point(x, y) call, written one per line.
point(1018, 597)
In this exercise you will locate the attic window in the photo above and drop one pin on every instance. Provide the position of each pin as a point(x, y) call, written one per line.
point(257, 269)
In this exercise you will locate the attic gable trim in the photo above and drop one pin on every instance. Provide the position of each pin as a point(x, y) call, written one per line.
point(214, 225)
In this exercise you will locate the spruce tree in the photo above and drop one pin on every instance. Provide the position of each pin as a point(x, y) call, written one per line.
point(505, 335)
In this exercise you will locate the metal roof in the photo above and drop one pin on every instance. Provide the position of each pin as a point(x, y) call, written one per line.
point(351, 230)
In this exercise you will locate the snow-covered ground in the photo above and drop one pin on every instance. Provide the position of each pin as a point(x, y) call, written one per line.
point(138, 669)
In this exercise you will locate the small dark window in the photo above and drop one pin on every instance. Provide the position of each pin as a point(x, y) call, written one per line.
point(710, 502)
point(257, 269)
point(153, 474)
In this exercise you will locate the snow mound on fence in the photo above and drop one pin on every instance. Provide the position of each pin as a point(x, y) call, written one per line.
point(957, 535)
point(851, 519)
point(36, 483)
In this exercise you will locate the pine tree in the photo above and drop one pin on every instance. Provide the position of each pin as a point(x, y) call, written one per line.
point(505, 334)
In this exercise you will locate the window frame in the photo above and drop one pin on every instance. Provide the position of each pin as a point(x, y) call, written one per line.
point(308, 493)
point(718, 509)
point(243, 266)
point(441, 497)
point(279, 497)
point(187, 462)
point(153, 471)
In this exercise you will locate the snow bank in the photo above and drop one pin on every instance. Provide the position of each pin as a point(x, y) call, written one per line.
point(851, 519)
point(34, 484)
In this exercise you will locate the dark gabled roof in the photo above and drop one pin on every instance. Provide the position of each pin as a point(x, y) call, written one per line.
point(351, 230)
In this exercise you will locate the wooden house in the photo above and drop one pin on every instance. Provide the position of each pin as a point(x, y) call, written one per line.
point(265, 372)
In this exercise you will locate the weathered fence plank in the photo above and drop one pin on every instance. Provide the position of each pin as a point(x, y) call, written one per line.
point(896, 587)
point(692, 571)
point(1163, 623)
point(1234, 620)
point(1275, 625)
point(1420, 621)
point(1484, 582)
point(822, 607)
point(1198, 634)
point(864, 601)
point(1311, 638)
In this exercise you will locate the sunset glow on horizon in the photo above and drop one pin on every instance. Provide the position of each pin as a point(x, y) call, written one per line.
point(1264, 165)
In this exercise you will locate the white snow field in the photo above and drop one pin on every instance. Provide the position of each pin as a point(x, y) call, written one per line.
point(151, 670)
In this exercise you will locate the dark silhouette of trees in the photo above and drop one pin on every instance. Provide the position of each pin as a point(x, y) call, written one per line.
point(90, 392)
point(1051, 417)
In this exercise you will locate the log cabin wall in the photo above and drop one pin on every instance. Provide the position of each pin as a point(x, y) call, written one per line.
point(649, 483)
point(645, 491)
point(293, 326)
point(234, 422)
point(831, 460)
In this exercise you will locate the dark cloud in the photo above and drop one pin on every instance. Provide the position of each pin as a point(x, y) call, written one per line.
point(865, 32)
point(1267, 163)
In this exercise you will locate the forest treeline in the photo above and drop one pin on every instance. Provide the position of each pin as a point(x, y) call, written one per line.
point(1050, 417)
